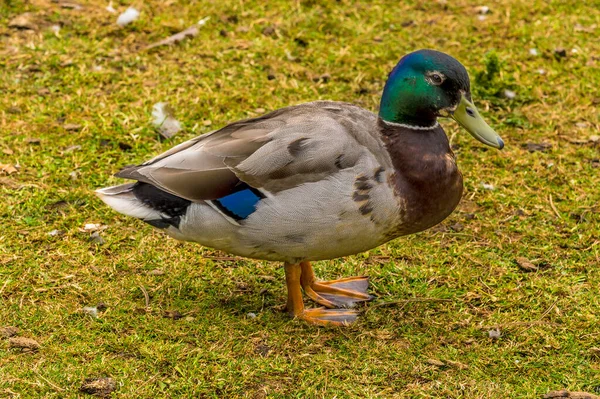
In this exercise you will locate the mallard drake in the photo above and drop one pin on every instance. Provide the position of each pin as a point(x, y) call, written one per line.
point(316, 181)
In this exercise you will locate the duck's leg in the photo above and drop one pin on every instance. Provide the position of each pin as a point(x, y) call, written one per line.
point(342, 293)
point(320, 316)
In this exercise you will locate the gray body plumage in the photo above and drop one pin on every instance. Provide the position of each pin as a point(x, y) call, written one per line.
point(324, 168)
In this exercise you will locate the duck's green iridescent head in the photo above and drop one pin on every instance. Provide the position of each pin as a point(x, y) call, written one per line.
point(427, 84)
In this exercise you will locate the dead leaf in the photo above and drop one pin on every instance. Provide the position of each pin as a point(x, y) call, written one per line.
point(436, 363)
point(571, 395)
point(72, 127)
point(457, 365)
point(595, 352)
point(71, 6)
point(526, 265)
point(556, 394)
point(101, 387)
point(8, 331)
point(587, 29)
point(23, 21)
point(24, 343)
point(7, 169)
point(533, 147)
point(172, 314)
point(189, 32)
point(89, 227)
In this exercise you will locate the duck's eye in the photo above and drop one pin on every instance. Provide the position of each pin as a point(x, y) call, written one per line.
point(436, 78)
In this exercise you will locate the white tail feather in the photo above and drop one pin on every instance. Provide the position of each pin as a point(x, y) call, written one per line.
point(122, 200)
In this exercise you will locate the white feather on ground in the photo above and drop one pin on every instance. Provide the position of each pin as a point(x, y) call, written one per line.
point(128, 16)
point(164, 120)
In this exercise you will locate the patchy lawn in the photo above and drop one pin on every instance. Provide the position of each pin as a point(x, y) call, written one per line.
point(499, 301)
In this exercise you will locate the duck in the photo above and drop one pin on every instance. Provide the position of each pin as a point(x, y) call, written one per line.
point(316, 181)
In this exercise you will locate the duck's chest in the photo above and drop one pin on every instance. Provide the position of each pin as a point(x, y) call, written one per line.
point(429, 197)
point(426, 179)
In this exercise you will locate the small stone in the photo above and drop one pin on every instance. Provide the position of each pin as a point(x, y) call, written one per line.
point(207, 122)
point(494, 334)
point(73, 175)
point(101, 387)
point(260, 110)
point(95, 238)
point(268, 31)
point(457, 227)
point(533, 51)
point(251, 315)
point(33, 140)
point(55, 233)
point(9, 331)
point(541, 71)
point(487, 186)
point(24, 343)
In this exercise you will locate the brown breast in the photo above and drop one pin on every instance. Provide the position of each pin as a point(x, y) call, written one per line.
point(426, 179)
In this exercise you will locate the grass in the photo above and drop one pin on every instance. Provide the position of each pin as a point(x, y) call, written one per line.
point(75, 107)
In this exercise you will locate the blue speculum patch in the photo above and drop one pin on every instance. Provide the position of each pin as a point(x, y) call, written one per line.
point(241, 203)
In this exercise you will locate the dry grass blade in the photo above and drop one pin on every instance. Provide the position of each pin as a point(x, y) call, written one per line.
point(189, 32)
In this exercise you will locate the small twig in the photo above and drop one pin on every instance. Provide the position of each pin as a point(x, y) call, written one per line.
point(553, 207)
point(539, 319)
point(146, 297)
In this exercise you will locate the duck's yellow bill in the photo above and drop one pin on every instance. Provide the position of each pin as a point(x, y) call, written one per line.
point(468, 117)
